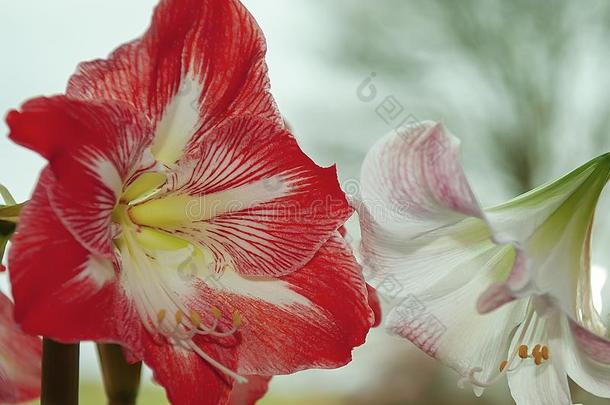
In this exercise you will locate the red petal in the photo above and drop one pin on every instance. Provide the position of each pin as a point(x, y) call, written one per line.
point(91, 148)
point(217, 42)
point(60, 290)
point(20, 359)
point(186, 377)
point(313, 317)
point(249, 393)
point(374, 304)
point(262, 204)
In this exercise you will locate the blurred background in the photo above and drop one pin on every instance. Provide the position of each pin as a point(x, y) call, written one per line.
point(523, 83)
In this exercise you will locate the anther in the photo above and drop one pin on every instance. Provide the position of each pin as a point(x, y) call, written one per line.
point(161, 316)
point(236, 319)
point(503, 365)
point(545, 352)
point(195, 318)
point(538, 359)
point(216, 313)
point(178, 317)
point(523, 349)
point(536, 351)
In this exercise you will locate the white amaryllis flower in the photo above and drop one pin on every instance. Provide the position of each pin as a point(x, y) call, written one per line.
point(488, 292)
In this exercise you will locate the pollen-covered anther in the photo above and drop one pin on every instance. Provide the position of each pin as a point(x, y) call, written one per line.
point(236, 319)
point(503, 365)
point(523, 352)
point(179, 316)
point(536, 351)
point(216, 313)
point(195, 318)
point(161, 316)
point(545, 352)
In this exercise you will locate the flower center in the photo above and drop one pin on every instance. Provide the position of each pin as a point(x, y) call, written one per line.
point(148, 256)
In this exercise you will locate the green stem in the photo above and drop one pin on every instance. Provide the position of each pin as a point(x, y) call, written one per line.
point(59, 373)
point(121, 379)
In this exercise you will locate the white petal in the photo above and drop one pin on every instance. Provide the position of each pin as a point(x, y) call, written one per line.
point(586, 358)
point(443, 321)
point(552, 225)
point(547, 383)
point(428, 250)
point(412, 182)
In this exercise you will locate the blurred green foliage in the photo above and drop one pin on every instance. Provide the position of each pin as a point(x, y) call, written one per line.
point(506, 72)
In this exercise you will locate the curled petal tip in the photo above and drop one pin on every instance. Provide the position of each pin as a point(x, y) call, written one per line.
point(495, 296)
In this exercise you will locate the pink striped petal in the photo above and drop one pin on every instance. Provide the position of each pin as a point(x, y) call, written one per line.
point(200, 63)
point(586, 358)
point(428, 249)
point(20, 359)
point(414, 197)
point(92, 149)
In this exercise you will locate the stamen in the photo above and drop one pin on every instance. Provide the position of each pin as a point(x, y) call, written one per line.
point(545, 352)
point(536, 351)
point(508, 365)
point(195, 318)
point(157, 302)
point(523, 349)
point(236, 319)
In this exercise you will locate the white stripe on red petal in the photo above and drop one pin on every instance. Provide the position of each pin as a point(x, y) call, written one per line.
point(179, 122)
point(252, 197)
point(200, 63)
point(61, 290)
point(92, 149)
point(313, 317)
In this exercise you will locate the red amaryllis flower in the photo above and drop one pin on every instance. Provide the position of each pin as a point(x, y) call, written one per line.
point(20, 359)
point(179, 218)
